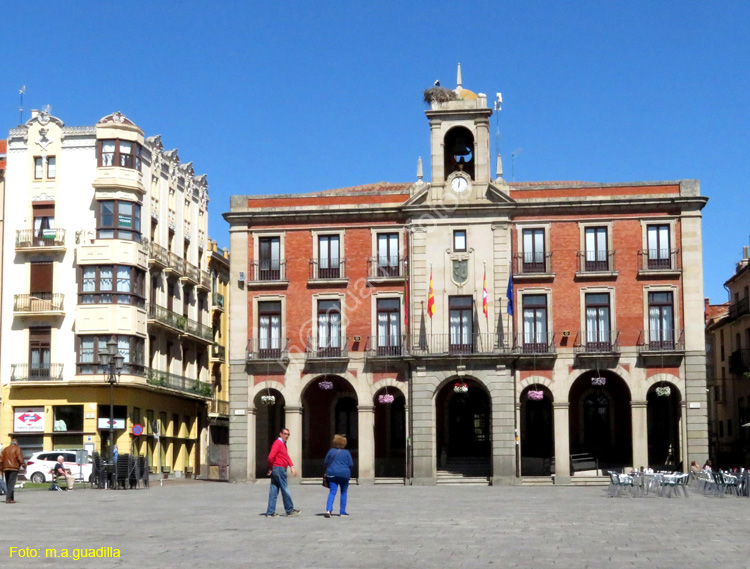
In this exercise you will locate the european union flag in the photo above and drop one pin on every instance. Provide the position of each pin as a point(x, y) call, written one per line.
point(509, 294)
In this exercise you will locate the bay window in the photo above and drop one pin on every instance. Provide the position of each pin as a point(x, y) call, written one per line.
point(118, 219)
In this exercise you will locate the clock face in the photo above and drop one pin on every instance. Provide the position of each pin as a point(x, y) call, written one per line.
point(459, 184)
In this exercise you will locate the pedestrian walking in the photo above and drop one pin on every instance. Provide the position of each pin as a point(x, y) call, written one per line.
point(11, 461)
point(278, 461)
point(338, 464)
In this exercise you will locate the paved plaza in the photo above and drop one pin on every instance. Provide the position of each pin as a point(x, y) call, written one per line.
point(205, 524)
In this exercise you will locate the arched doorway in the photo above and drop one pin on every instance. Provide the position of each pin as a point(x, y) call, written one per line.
point(269, 420)
point(537, 431)
point(663, 415)
point(329, 407)
point(600, 419)
point(463, 428)
point(390, 433)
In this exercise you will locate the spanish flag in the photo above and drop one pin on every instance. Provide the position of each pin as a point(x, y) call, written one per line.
point(484, 295)
point(431, 298)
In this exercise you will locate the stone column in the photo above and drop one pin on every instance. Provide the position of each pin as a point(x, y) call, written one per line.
point(423, 428)
point(639, 426)
point(293, 422)
point(251, 442)
point(366, 425)
point(562, 442)
point(502, 392)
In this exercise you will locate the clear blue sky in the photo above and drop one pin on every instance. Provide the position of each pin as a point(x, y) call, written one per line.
point(286, 97)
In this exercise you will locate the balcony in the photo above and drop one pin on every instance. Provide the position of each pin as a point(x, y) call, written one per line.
point(662, 262)
point(739, 308)
point(385, 269)
point(385, 346)
point(175, 265)
point(267, 350)
point(179, 323)
point(218, 353)
point(204, 280)
point(218, 408)
point(198, 330)
point(267, 273)
point(38, 304)
point(328, 349)
point(327, 272)
point(603, 343)
point(190, 273)
point(739, 362)
point(660, 346)
point(42, 241)
point(217, 301)
point(179, 383)
point(531, 344)
point(532, 266)
point(25, 372)
point(596, 264)
point(459, 345)
point(158, 256)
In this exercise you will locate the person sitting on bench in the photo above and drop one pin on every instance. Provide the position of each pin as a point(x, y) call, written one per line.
point(60, 470)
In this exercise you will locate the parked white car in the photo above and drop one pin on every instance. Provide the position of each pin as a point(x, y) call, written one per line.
point(40, 464)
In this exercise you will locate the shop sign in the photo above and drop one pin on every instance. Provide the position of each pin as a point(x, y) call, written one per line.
point(28, 419)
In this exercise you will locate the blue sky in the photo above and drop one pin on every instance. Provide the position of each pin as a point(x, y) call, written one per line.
point(287, 97)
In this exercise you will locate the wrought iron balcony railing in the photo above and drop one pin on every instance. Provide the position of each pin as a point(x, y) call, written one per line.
point(532, 264)
point(38, 302)
point(34, 372)
point(385, 346)
point(178, 382)
point(658, 259)
point(267, 270)
point(535, 343)
point(385, 267)
point(218, 407)
point(596, 261)
point(327, 269)
point(267, 349)
point(40, 239)
point(597, 342)
point(739, 308)
point(218, 352)
point(458, 344)
point(217, 300)
point(739, 362)
point(661, 340)
point(335, 347)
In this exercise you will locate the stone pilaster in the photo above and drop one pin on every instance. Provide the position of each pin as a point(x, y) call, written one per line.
point(366, 424)
point(562, 443)
point(639, 426)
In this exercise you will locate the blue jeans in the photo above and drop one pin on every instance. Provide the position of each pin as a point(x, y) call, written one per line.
point(333, 484)
point(278, 482)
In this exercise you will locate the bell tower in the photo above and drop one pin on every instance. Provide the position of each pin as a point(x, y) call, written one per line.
point(459, 136)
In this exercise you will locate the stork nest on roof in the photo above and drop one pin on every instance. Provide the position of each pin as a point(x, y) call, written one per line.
point(439, 95)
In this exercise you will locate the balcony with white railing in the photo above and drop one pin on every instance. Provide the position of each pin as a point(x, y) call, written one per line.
point(41, 241)
point(39, 304)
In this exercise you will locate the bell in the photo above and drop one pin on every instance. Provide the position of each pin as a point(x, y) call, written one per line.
point(460, 148)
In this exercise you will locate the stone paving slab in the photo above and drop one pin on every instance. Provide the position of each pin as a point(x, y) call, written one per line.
point(218, 525)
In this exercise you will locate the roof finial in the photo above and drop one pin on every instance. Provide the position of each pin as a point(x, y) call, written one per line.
point(420, 174)
point(458, 77)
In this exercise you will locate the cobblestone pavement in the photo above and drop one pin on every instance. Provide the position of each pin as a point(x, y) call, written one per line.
point(205, 524)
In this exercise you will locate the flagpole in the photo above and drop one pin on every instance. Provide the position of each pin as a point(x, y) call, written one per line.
point(20, 106)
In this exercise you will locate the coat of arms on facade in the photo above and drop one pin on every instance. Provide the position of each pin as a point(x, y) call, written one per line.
point(460, 271)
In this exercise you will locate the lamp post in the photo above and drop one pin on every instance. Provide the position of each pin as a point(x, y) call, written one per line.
point(112, 361)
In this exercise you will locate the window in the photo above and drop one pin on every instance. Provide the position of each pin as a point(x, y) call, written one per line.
point(661, 331)
point(459, 240)
point(112, 284)
point(40, 340)
point(389, 326)
point(328, 257)
point(118, 219)
point(596, 255)
point(329, 328)
point(659, 252)
point(269, 329)
point(68, 418)
point(90, 346)
point(533, 251)
point(123, 153)
point(269, 250)
point(535, 323)
point(388, 261)
point(44, 224)
point(461, 310)
point(38, 167)
point(598, 333)
point(721, 341)
point(51, 167)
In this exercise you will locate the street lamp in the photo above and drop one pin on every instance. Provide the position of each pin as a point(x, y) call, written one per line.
point(112, 361)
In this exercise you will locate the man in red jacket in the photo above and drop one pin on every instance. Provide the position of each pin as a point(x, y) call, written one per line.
point(278, 460)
